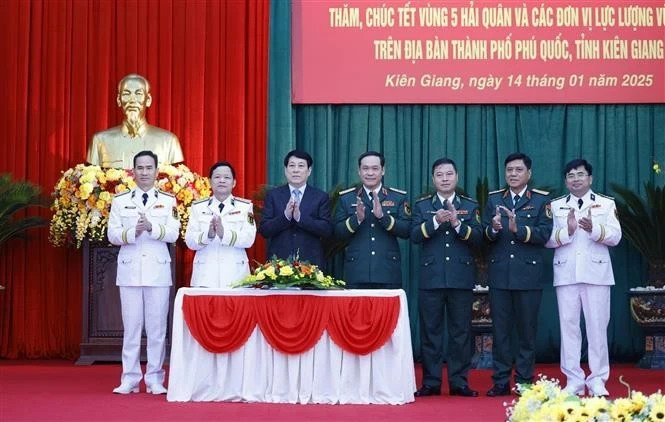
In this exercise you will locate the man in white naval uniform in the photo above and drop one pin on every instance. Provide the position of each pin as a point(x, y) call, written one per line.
point(142, 222)
point(585, 224)
point(219, 230)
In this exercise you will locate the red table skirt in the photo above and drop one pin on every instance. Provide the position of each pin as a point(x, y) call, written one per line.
point(291, 324)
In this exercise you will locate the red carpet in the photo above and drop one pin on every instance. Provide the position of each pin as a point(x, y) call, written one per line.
point(60, 391)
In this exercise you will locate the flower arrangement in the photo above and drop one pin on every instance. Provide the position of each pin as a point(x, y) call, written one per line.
point(546, 401)
point(289, 273)
point(83, 195)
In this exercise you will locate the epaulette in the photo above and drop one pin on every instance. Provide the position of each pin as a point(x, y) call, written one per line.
point(605, 196)
point(345, 191)
point(422, 198)
point(121, 193)
point(243, 200)
point(468, 199)
point(497, 191)
point(198, 201)
point(403, 192)
point(166, 193)
point(542, 192)
point(561, 197)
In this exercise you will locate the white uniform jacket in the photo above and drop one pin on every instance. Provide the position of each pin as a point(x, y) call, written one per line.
point(220, 262)
point(584, 257)
point(143, 261)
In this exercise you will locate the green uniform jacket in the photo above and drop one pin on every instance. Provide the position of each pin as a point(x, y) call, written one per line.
point(447, 260)
point(515, 260)
point(372, 254)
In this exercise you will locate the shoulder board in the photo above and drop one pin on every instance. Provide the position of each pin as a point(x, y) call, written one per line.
point(166, 193)
point(497, 191)
point(561, 197)
point(121, 193)
point(422, 198)
point(345, 191)
point(605, 196)
point(243, 200)
point(403, 192)
point(468, 199)
point(542, 192)
point(198, 201)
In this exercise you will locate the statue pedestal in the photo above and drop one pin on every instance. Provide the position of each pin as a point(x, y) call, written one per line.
point(101, 327)
point(481, 327)
point(648, 310)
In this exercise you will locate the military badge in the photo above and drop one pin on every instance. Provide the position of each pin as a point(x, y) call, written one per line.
point(477, 216)
point(462, 212)
point(548, 211)
point(174, 211)
point(388, 204)
point(158, 206)
point(250, 218)
point(407, 208)
point(234, 212)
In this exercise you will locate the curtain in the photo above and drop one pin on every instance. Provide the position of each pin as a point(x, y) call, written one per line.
point(619, 140)
point(207, 65)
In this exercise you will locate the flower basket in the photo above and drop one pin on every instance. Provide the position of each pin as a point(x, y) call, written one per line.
point(82, 199)
point(546, 401)
point(289, 273)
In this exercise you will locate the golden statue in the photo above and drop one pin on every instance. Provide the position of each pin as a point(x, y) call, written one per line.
point(116, 147)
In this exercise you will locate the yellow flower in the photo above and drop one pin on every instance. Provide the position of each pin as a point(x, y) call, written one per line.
point(657, 413)
point(101, 204)
point(286, 271)
point(656, 167)
point(620, 410)
point(85, 190)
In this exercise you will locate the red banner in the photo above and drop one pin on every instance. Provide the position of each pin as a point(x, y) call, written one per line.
point(434, 51)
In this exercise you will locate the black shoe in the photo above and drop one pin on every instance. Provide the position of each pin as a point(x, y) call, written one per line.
point(463, 391)
point(499, 390)
point(428, 390)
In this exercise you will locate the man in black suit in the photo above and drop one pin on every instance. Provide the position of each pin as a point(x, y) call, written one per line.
point(517, 224)
point(296, 216)
point(448, 227)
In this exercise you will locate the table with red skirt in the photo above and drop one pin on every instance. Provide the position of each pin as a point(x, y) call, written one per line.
point(291, 346)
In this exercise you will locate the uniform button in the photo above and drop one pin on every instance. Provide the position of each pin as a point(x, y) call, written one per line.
point(447, 245)
point(447, 232)
point(534, 262)
point(528, 215)
point(447, 258)
point(512, 256)
point(512, 242)
point(371, 225)
point(373, 253)
point(372, 239)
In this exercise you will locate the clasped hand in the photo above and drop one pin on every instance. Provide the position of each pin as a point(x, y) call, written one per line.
point(216, 228)
point(497, 226)
point(448, 215)
point(143, 225)
point(292, 210)
point(377, 209)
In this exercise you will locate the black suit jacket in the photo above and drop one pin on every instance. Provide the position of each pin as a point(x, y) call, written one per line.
point(290, 237)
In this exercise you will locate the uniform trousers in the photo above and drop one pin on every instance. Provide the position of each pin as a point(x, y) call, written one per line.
point(149, 305)
point(514, 309)
point(436, 306)
point(594, 302)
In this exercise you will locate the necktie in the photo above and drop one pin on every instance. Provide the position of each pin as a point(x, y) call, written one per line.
point(145, 198)
point(579, 203)
point(221, 207)
point(445, 204)
point(296, 195)
point(516, 199)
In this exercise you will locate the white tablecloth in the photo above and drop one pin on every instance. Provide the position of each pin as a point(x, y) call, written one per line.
point(324, 374)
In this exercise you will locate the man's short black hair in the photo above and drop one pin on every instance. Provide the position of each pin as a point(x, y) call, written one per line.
point(578, 162)
point(443, 160)
point(519, 156)
point(372, 154)
point(146, 154)
point(221, 164)
point(298, 154)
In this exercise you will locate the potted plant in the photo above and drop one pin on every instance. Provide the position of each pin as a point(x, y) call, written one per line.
point(643, 225)
point(16, 196)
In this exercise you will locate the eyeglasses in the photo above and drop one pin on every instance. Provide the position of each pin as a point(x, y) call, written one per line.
point(579, 175)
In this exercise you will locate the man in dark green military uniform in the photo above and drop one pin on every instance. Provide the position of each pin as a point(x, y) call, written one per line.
point(371, 218)
point(517, 223)
point(448, 226)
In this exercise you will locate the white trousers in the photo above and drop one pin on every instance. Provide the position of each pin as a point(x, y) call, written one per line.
point(594, 301)
point(139, 305)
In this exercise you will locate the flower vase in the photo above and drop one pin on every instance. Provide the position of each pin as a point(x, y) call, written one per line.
point(648, 309)
point(481, 326)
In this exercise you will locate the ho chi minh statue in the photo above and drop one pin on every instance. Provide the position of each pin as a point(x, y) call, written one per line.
point(117, 146)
